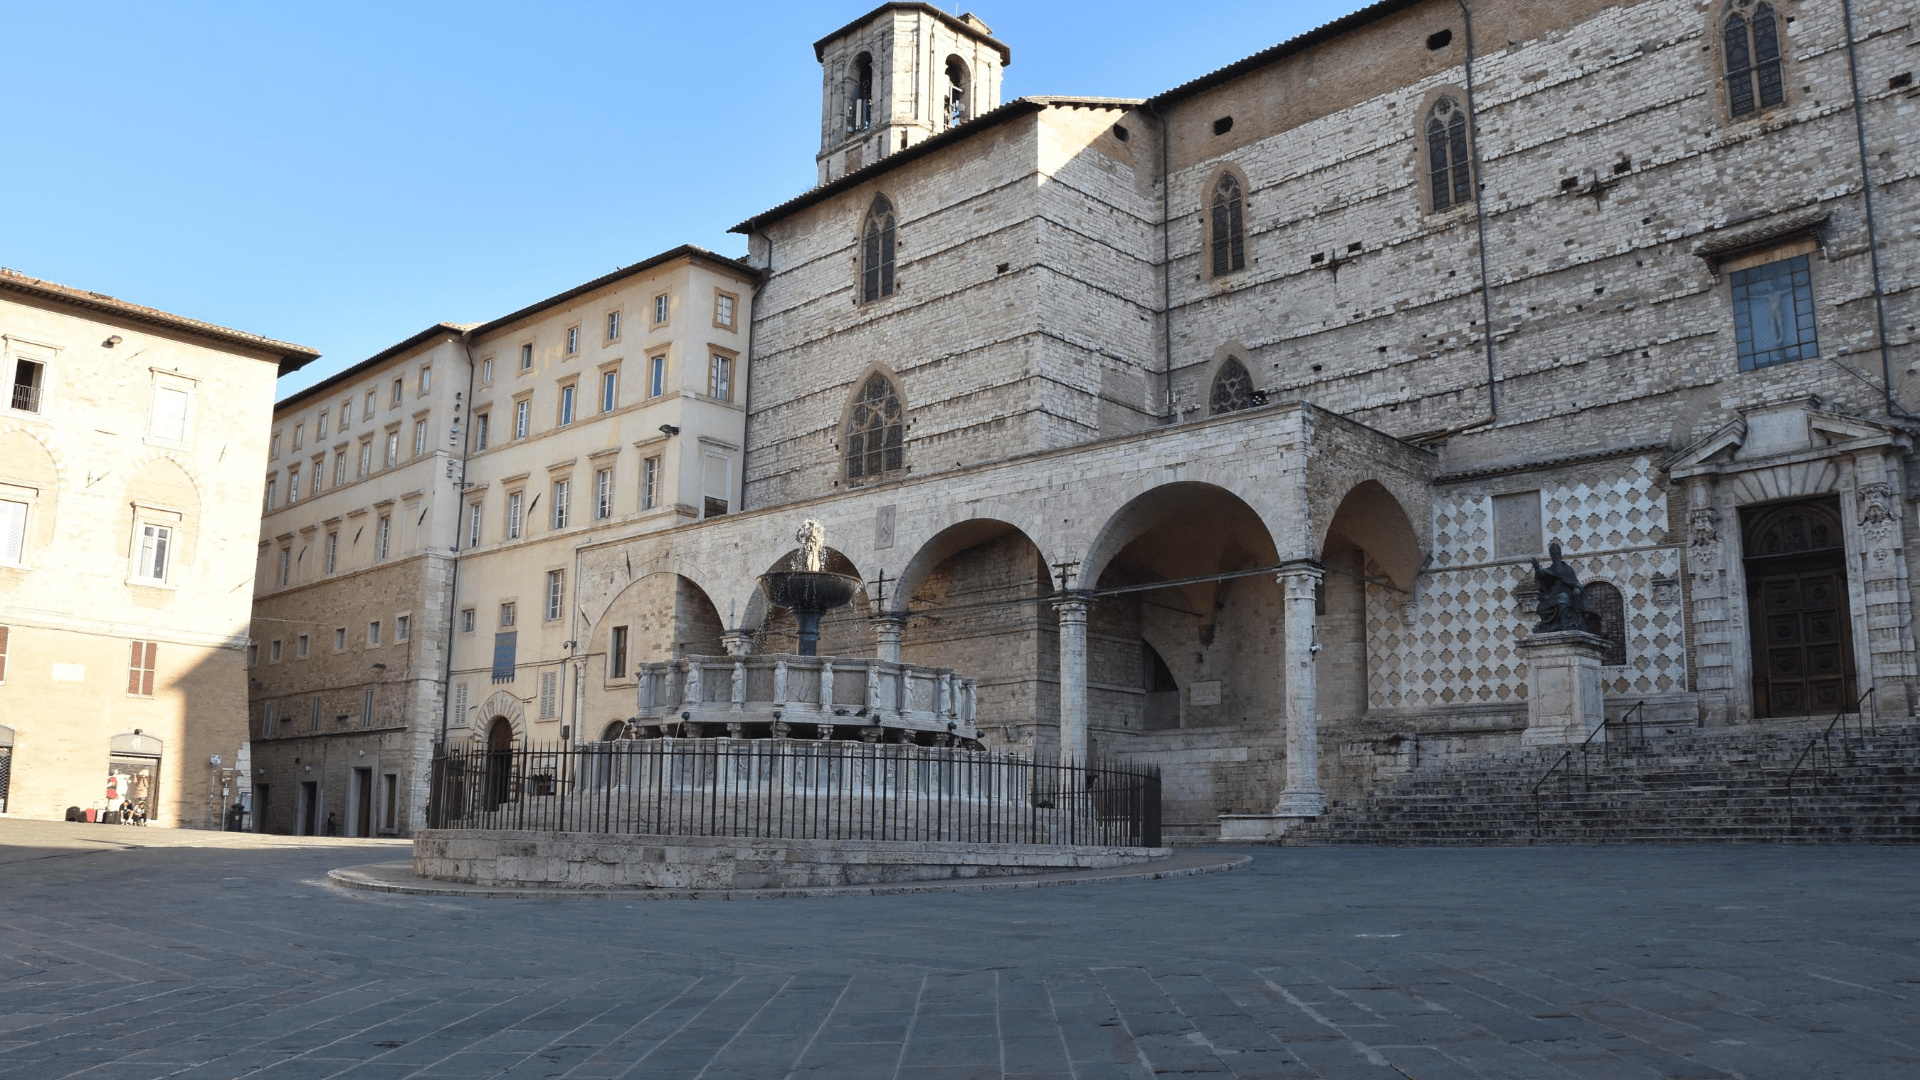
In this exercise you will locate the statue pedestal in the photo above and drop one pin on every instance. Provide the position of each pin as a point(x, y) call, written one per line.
point(1563, 686)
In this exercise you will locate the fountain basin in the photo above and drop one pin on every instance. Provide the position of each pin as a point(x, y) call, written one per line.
point(823, 697)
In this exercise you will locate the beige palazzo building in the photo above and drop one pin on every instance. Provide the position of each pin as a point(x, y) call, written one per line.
point(131, 446)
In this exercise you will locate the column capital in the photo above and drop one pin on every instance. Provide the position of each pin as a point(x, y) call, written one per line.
point(737, 642)
point(889, 618)
point(1301, 568)
point(1072, 603)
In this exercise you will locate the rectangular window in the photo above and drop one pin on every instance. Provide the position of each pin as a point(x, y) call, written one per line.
point(426, 378)
point(273, 448)
point(561, 490)
point(657, 376)
point(609, 390)
point(715, 469)
point(169, 414)
point(339, 468)
point(339, 639)
point(567, 394)
point(346, 413)
point(526, 356)
point(650, 483)
point(333, 552)
point(1516, 524)
point(513, 515)
point(723, 310)
point(549, 695)
point(253, 653)
point(286, 566)
point(393, 448)
point(1773, 313)
point(390, 794)
point(366, 456)
point(474, 519)
point(29, 380)
point(556, 594)
point(522, 413)
point(399, 394)
point(480, 431)
point(459, 705)
point(466, 620)
point(486, 371)
point(373, 634)
point(293, 484)
point(419, 437)
point(366, 708)
point(720, 378)
point(402, 627)
point(507, 614)
point(273, 651)
point(602, 494)
point(613, 325)
point(13, 532)
point(366, 407)
point(273, 490)
point(313, 715)
point(140, 669)
point(617, 654)
point(6, 632)
point(382, 537)
point(660, 310)
point(299, 435)
point(156, 544)
point(319, 470)
point(266, 729)
point(320, 426)
point(573, 340)
point(302, 646)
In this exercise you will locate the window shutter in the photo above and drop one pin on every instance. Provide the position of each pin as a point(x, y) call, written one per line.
point(13, 531)
point(459, 705)
point(146, 684)
point(5, 632)
point(133, 667)
point(169, 413)
point(548, 683)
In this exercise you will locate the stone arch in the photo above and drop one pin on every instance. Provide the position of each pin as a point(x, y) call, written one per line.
point(1231, 387)
point(859, 90)
point(1141, 508)
point(957, 102)
point(882, 412)
point(685, 621)
point(501, 705)
point(31, 473)
point(947, 542)
point(1370, 518)
point(1607, 616)
point(1777, 483)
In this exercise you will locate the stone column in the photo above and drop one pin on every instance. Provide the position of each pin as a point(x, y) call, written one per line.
point(888, 629)
point(1299, 584)
point(1564, 704)
point(1073, 678)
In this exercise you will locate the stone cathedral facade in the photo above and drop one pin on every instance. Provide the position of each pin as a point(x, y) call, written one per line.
point(1219, 430)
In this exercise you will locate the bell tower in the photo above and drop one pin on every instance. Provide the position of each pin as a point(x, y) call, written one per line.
point(898, 75)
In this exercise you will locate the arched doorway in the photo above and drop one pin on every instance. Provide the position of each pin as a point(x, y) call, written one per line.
point(499, 768)
point(1798, 615)
point(1370, 555)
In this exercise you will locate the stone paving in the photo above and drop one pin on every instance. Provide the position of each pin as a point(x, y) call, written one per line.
point(208, 956)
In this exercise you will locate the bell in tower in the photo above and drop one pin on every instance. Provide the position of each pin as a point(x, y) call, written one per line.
point(899, 75)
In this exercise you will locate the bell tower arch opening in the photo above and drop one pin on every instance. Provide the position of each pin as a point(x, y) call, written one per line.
point(899, 75)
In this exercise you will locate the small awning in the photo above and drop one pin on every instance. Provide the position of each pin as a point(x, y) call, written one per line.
point(1718, 245)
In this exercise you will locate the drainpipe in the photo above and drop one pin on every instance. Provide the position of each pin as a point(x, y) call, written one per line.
point(1166, 265)
point(453, 583)
point(1866, 196)
point(1480, 224)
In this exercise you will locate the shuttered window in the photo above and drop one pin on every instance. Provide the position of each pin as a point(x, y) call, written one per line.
point(140, 669)
point(549, 693)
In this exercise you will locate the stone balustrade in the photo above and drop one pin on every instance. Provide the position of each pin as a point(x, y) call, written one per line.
point(781, 695)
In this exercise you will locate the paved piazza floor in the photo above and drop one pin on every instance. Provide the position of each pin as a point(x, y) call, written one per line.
point(210, 956)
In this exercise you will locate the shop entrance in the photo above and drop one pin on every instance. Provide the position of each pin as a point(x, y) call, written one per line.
point(133, 778)
point(1801, 628)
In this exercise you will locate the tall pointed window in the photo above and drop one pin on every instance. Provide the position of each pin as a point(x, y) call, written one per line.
point(1232, 389)
point(875, 432)
point(956, 110)
point(860, 94)
point(1750, 36)
point(876, 251)
point(1449, 170)
point(1229, 226)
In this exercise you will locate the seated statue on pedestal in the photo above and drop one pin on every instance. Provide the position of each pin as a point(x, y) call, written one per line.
point(1563, 600)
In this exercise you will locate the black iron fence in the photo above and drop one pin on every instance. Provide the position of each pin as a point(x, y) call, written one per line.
point(794, 789)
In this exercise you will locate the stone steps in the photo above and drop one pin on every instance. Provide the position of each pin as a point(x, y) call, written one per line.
point(1681, 788)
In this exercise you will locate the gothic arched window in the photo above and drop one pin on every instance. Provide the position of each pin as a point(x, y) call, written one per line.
point(876, 426)
point(1607, 616)
point(1750, 37)
point(860, 94)
point(1449, 170)
point(1229, 226)
point(959, 81)
point(876, 251)
point(1232, 388)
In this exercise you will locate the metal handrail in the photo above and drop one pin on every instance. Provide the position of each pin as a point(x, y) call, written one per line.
point(1824, 741)
point(1627, 725)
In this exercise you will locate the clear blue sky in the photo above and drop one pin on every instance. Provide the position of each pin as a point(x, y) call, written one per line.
point(344, 174)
